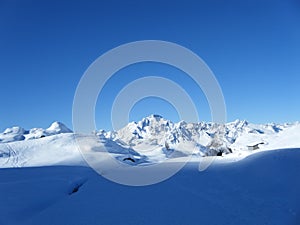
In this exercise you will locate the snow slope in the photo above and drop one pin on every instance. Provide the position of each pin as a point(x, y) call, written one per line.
point(62, 149)
point(261, 189)
point(52, 150)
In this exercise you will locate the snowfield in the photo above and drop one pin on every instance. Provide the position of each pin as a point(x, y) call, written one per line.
point(261, 189)
point(44, 178)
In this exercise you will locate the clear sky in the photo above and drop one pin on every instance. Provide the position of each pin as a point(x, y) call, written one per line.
point(253, 48)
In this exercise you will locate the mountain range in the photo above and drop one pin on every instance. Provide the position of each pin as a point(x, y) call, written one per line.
point(150, 140)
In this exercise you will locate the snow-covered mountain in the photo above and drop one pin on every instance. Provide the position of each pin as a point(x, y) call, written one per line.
point(153, 139)
point(19, 133)
point(154, 134)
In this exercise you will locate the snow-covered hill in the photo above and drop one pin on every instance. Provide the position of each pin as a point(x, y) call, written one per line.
point(153, 139)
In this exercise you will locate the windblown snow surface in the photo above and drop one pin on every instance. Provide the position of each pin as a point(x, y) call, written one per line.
point(45, 180)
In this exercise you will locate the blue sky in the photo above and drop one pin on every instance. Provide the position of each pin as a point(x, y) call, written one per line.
point(252, 47)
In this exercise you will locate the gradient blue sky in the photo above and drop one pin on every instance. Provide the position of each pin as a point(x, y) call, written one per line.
point(253, 48)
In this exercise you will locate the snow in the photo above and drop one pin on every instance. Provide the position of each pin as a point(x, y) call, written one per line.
point(151, 135)
point(261, 189)
point(151, 140)
point(57, 128)
point(19, 133)
point(44, 178)
point(12, 134)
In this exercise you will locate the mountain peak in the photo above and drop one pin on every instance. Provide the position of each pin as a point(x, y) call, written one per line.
point(151, 120)
point(14, 130)
point(153, 117)
point(58, 127)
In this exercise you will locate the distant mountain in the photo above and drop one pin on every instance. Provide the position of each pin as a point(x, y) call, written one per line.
point(19, 133)
point(203, 138)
